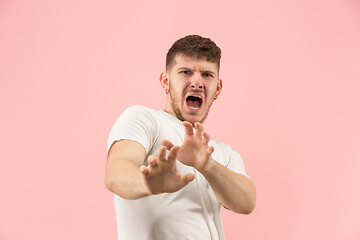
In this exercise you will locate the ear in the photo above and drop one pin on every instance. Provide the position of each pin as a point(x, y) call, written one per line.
point(219, 87)
point(164, 81)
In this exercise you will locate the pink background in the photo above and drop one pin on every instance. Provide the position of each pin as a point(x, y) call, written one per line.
point(290, 105)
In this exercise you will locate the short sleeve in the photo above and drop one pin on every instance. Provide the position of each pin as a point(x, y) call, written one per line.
point(137, 123)
point(236, 163)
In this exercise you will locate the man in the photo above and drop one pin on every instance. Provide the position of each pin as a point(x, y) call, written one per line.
point(169, 180)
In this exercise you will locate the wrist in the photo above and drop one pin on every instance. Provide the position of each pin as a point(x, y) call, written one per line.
point(209, 167)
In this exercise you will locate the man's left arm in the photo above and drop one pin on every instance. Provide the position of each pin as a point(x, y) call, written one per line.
point(234, 191)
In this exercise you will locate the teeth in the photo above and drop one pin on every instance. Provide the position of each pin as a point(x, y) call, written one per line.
point(195, 96)
point(193, 107)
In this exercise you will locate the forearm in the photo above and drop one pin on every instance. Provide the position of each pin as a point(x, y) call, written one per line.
point(233, 190)
point(125, 179)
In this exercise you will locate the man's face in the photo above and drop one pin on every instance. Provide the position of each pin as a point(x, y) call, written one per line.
point(193, 83)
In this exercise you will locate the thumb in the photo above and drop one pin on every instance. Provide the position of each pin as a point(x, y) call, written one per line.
point(188, 178)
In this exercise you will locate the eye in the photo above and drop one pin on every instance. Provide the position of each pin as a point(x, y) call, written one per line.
point(207, 75)
point(186, 72)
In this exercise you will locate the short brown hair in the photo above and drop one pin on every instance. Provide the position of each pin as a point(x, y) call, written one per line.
point(194, 45)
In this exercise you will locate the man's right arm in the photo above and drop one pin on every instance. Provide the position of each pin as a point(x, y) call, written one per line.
point(123, 176)
point(128, 178)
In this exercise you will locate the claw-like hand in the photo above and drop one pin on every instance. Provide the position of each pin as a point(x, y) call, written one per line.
point(161, 175)
point(195, 150)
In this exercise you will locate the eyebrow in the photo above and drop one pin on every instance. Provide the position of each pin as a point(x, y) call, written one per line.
point(205, 71)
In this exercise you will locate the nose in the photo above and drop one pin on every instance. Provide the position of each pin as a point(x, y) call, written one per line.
point(196, 82)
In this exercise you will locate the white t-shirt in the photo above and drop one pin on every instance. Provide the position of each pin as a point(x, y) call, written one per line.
point(190, 213)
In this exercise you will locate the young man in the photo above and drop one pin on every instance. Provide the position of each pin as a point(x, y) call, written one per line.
point(167, 176)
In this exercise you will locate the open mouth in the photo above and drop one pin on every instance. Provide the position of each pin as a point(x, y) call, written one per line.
point(194, 102)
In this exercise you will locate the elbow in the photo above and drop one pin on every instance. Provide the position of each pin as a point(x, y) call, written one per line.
point(246, 210)
point(113, 185)
point(249, 208)
point(242, 207)
point(251, 201)
point(108, 183)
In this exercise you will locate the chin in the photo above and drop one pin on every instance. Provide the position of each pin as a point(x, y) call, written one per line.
point(192, 121)
point(195, 118)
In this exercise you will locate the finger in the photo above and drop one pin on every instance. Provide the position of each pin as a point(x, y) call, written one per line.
point(144, 170)
point(152, 160)
point(188, 128)
point(210, 150)
point(173, 153)
point(206, 137)
point(147, 173)
point(188, 178)
point(199, 129)
point(167, 144)
point(152, 168)
point(162, 153)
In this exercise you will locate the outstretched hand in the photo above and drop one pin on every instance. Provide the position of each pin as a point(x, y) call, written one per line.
point(195, 150)
point(161, 175)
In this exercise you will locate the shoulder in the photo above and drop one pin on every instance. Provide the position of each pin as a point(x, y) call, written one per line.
point(138, 112)
point(137, 123)
point(139, 109)
point(221, 152)
point(226, 156)
point(224, 152)
point(220, 146)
